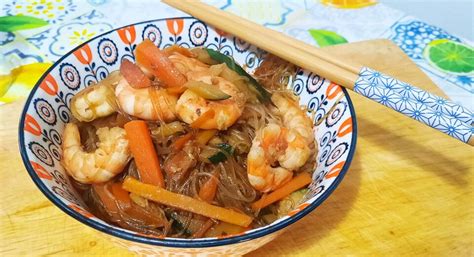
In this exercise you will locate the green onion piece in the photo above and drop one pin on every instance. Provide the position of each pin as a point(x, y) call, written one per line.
point(225, 150)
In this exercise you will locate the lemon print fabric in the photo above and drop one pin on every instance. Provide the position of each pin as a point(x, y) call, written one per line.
point(349, 4)
point(20, 81)
point(450, 56)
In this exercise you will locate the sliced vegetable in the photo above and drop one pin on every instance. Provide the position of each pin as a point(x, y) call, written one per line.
point(138, 200)
point(290, 202)
point(215, 141)
point(216, 70)
point(178, 166)
point(204, 228)
point(269, 218)
point(206, 91)
point(294, 184)
point(134, 75)
point(221, 156)
point(240, 82)
point(180, 142)
point(203, 56)
point(154, 60)
point(184, 202)
point(204, 136)
point(178, 224)
point(143, 150)
point(263, 95)
point(224, 229)
point(106, 197)
point(168, 129)
point(208, 190)
point(203, 118)
point(179, 49)
point(121, 195)
point(119, 206)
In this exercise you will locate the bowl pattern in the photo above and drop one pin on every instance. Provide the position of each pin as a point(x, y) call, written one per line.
point(47, 110)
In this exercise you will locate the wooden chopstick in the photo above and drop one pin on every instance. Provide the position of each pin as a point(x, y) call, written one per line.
point(197, 6)
point(316, 60)
point(337, 70)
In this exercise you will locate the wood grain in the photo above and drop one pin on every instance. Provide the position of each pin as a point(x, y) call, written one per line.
point(409, 190)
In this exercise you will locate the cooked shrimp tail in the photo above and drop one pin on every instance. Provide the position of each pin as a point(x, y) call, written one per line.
point(108, 160)
point(276, 150)
point(95, 101)
point(150, 103)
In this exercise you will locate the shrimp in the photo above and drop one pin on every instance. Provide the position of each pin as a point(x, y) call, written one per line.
point(294, 116)
point(185, 64)
point(108, 160)
point(95, 101)
point(151, 103)
point(278, 150)
point(191, 106)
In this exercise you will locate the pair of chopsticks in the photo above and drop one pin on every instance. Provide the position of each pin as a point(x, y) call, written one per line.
point(434, 111)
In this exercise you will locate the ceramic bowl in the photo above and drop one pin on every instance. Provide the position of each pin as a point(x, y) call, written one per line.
point(47, 110)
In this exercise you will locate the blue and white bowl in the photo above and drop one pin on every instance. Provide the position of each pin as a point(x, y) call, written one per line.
point(47, 111)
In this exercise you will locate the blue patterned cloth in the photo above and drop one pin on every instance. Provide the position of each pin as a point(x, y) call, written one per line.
point(72, 22)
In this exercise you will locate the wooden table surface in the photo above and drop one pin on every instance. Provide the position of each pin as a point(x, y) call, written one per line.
point(409, 190)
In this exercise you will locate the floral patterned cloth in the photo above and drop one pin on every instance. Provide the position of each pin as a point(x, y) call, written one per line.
point(26, 53)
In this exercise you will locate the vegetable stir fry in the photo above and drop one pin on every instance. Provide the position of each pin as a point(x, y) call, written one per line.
point(185, 143)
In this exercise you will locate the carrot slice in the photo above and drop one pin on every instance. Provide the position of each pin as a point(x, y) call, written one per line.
point(204, 136)
point(134, 75)
point(294, 184)
point(208, 190)
point(154, 60)
point(203, 118)
point(184, 202)
point(178, 49)
point(180, 142)
point(121, 195)
point(106, 197)
point(143, 150)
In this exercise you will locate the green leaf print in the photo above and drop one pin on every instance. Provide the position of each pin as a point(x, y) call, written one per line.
point(326, 37)
point(20, 22)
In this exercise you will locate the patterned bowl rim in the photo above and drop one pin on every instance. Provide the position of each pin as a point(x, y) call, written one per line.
point(171, 242)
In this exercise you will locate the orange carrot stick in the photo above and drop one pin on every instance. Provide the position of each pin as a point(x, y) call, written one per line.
point(208, 190)
point(180, 142)
point(203, 118)
point(294, 184)
point(204, 136)
point(184, 202)
point(143, 151)
point(154, 60)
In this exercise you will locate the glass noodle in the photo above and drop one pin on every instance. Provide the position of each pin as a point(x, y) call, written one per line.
point(186, 170)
